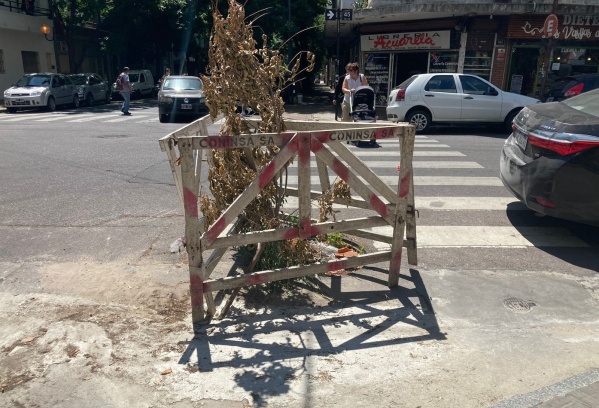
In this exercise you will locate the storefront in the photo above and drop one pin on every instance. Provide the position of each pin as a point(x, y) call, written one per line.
point(389, 59)
point(573, 50)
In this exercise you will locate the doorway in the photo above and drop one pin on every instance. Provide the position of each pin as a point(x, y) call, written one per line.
point(523, 67)
point(409, 63)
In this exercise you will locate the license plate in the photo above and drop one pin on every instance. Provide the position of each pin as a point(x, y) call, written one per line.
point(521, 139)
point(186, 106)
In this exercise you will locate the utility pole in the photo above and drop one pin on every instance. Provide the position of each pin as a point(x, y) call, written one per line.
point(338, 68)
point(548, 52)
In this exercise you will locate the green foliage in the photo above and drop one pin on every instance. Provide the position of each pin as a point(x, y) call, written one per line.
point(336, 239)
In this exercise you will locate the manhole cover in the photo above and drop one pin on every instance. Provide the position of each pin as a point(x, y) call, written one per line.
point(518, 305)
point(112, 136)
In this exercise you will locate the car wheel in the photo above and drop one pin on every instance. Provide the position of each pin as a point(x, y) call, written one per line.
point(507, 125)
point(75, 101)
point(163, 117)
point(51, 106)
point(11, 110)
point(89, 100)
point(420, 119)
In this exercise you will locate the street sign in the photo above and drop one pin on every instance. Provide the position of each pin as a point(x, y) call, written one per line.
point(346, 14)
point(330, 14)
point(550, 26)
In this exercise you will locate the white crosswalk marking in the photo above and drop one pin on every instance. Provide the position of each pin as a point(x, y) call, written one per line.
point(493, 201)
point(58, 117)
point(24, 117)
point(417, 153)
point(487, 236)
point(92, 118)
point(125, 118)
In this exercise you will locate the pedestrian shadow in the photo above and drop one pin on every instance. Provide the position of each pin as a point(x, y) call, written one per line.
point(284, 343)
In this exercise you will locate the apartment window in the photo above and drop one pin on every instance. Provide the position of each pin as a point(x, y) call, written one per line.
point(31, 62)
point(2, 71)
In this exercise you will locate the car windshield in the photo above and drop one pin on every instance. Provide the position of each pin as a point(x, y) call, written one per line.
point(190, 84)
point(34, 80)
point(79, 79)
point(587, 102)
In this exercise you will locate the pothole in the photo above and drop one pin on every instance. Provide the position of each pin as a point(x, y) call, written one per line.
point(518, 305)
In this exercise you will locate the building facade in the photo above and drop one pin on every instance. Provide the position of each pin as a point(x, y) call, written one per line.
point(23, 47)
point(502, 41)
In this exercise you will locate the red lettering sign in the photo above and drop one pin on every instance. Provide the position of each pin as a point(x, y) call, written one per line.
point(383, 43)
point(550, 26)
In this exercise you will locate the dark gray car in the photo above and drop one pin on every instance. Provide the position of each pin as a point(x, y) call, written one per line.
point(181, 96)
point(91, 88)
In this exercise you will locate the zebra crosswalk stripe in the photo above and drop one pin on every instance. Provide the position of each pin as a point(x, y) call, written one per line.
point(486, 236)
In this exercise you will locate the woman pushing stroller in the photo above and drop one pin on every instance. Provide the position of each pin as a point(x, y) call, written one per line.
point(353, 80)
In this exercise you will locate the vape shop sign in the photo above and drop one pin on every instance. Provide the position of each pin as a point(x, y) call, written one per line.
point(421, 40)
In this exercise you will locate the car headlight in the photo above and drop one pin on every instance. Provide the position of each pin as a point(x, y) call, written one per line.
point(6, 94)
point(80, 91)
point(166, 99)
point(203, 99)
point(36, 93)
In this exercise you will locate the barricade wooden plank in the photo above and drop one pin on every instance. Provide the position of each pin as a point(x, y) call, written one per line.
point(265, 176)
point(192, 226)
point(350, 178)
point(364, 171)
point(280, 234)
point(305, 209)
point(295, 271)
point(405, 184)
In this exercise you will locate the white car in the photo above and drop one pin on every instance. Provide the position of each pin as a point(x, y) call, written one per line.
point(425, 99)
point(45, 90)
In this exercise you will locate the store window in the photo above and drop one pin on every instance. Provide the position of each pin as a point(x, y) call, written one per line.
point(478, 63)
point(573, 61)
point(31, 62)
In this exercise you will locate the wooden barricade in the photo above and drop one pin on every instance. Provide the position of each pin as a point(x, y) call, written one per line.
point(327, 141)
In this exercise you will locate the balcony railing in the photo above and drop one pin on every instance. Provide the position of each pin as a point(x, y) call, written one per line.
point(25, 7)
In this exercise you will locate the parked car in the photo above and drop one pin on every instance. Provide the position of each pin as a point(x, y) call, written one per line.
point(426, 99)
point(181, 96)
point(44, 90)
point(567, 87)
point(142, 84)
point(550, 162)
point(91, 88)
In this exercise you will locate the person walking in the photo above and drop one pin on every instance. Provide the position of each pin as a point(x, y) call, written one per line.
point(125, 91)
point(167, 72)
point(338, 95)
point(352, 80)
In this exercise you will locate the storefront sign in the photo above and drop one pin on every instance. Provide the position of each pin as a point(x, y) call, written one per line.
point(567, 27)
point(423, 40)
point(550, 26)
point(443, 62)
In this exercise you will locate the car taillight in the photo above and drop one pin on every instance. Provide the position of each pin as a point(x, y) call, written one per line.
point(401, 95)
point(545, 203)
point(564, 145)
point(575, 90)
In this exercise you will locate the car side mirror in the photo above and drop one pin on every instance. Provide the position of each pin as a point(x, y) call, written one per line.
point(493, 92)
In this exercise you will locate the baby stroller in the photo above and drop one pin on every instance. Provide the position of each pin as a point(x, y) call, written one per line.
point(362, 107)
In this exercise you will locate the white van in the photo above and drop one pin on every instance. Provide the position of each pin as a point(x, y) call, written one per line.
point(142, 84)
